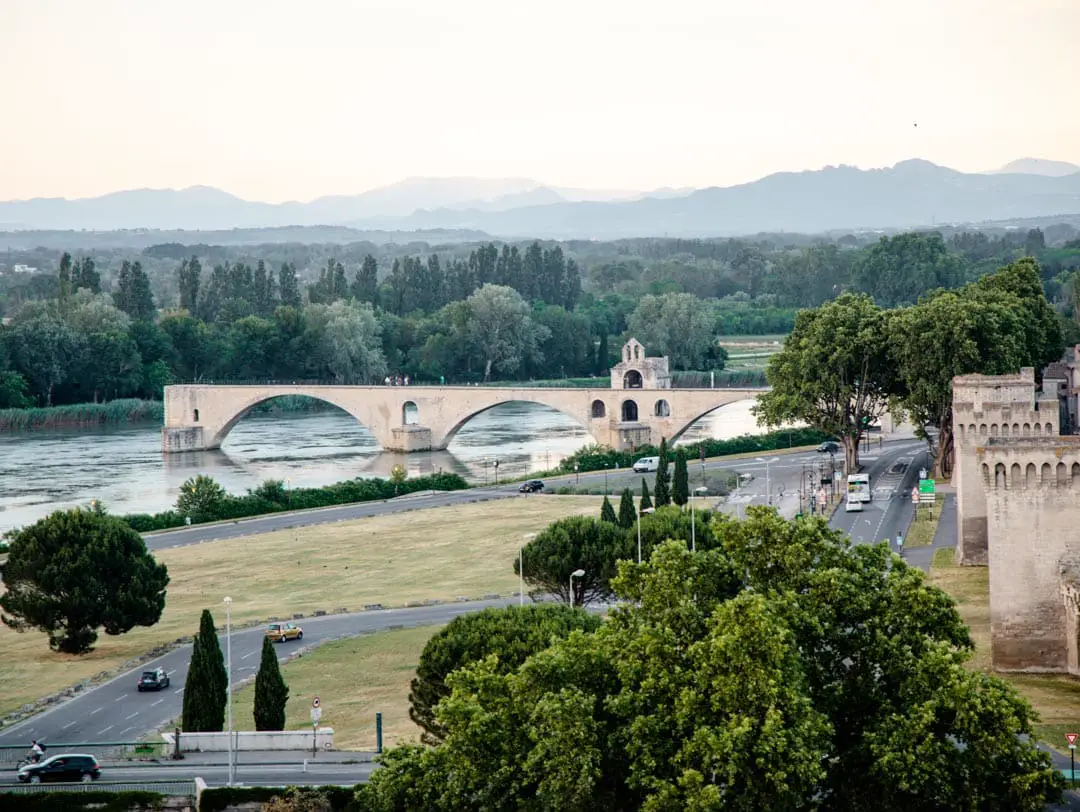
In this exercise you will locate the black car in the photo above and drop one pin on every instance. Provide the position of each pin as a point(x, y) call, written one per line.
point(68, 768)
point(828, 447)
point(153, 680)
point(532, 486)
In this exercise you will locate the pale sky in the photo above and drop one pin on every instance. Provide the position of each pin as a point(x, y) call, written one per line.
point(292, 99)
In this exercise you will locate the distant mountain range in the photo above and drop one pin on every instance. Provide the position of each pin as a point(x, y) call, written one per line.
point(910, 194)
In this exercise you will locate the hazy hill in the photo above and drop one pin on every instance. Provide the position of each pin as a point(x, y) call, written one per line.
point(1039, 166)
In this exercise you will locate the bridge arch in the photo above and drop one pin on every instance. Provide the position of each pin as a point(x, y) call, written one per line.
point(443, 438)
point(685, 425)
point(235, 413)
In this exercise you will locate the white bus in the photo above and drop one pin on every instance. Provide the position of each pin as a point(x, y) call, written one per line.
point(858, 488)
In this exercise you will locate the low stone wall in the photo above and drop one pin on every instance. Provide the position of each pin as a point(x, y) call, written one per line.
point(297, 740)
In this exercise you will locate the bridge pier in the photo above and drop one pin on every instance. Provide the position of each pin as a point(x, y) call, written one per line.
point(182, 438)
point(410, 438)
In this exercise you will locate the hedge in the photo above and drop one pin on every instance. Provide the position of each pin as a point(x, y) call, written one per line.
point(216, 799)
point(597, 458)
point(71, 801)
point(267, 499)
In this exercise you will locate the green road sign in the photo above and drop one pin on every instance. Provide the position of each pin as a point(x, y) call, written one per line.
point(926, 486)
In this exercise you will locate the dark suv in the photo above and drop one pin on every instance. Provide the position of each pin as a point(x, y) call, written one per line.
point(829, 446)
point(532, 486)
point(153, 680)
point(68, 768)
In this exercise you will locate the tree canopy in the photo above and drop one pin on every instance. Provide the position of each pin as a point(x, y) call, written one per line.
point(77, 571)
point(782, 669)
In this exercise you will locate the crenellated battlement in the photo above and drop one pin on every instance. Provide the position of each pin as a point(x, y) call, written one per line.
point(1029, 462)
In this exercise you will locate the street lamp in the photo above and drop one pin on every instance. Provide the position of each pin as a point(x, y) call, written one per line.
point(768, 481)
point(645, 510)
point(228, 679)
point(693, 525)
point(573, 575)
point(521, 567)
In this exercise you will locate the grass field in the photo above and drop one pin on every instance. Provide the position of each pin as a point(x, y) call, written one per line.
point(354, 679)
point(921, 531)
point(436, 553)
point(1055, 698)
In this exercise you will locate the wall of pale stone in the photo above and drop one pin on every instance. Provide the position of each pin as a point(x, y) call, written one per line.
point(1032, 489)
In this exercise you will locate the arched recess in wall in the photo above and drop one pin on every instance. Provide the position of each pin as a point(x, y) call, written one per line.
point(1016, 430)
point(629, 411)
point(1004, 429)
point(598, 409)
point(1030, 476)
point(993, 429)
point(999, 475)
point(1061, 475)
point(410, 414)
point(1047, 474)
point(662, 408)
point(1027, 429)
point(632, 379)
point(986, 473)
point(1014, 475)
point(982, 429)
point(1075, 472)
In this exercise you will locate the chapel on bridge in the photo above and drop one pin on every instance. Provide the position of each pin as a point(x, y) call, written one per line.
point(635, 371)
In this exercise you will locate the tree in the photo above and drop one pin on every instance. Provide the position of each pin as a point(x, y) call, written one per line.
point(678, 325)
point(783, 669)
point(76, 571)
point(201, 498)
point(834, 372)
point(603, 363)
point(345, 338)
point(366, 284)
point(899, 269)
point(578, 542)
point(288, 287)
point(680, 489)
point(206, 688)
point(646, 502)
point(607, 512)
point(398, 475)
point(513, 633)
point(189, 277)
point(627, 514)
point(271, 692)
point(501, 332)
point(662, 486)
point(132, 294)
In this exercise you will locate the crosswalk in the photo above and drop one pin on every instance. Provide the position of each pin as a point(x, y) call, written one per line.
point(888, 482)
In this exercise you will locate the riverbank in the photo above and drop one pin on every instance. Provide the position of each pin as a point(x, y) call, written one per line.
point(132, 411)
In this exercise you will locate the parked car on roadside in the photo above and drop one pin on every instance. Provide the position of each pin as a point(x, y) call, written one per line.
point(153, 680)
point(280, 632)
point(531, 486)
point(646, 464)
point(68, 768)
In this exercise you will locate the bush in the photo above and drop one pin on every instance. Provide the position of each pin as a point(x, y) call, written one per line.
point(597, 458)
point(342, 799)
point(270, 497)
point(71, 801)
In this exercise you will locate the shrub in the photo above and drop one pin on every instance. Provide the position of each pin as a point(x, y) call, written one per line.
point(217, 799)
point(73, 801)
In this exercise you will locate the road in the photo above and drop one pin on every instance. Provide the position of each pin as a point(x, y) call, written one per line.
point(115, 711)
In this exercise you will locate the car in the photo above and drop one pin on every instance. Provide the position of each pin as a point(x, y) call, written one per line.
point(853, 506)
point(531, 486)
point(828, 447)
point(646, 464)
point(68, 767)
point(153, 680)
point(280, 632)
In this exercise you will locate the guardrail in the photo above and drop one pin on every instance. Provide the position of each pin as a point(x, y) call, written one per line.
point(170, 788)
point(113, 751)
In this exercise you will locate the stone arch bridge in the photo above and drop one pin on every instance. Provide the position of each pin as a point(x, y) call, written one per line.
point(422, 418)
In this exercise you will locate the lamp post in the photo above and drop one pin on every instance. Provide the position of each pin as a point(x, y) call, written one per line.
point(768, 480)
point(693, 524)
point(573, 575)
point(646, 510)
point(521, 568)
point(228, 679)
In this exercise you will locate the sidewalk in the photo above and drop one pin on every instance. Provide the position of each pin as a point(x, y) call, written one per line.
point(268, 757)
point(944, 536)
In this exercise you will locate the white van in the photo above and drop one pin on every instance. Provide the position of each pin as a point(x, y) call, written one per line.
point(646, 464)
point(854, 503)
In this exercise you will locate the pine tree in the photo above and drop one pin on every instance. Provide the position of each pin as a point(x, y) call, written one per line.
point(366, 284)
point(132, 293)
point(680, 487)
point(85, 275)
point(626, 509)
point(189, 279)
point(662, 488)
point(646, 502)
point(607, 512)
point(602, 354)
point(207, 682)
point(65, 276)
point(288, 287)
point(271, 692)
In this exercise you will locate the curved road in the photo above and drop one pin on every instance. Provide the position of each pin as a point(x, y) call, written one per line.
point(115, 711)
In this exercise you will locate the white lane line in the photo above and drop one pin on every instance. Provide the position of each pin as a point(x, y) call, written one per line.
point(152, 704)
point(103, 731)
point(178, 691)
point(247, 655)
point(69, 724)
point(120, 698)
point(170, 673)
point(132, 716)
point(125, 730)
point(96, 710)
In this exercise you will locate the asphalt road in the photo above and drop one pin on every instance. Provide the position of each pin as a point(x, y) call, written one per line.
point(115, 711)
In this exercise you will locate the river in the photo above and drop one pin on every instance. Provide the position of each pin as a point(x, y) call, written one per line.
point(48, 469)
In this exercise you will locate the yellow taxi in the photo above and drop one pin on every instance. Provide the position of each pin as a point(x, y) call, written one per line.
point(280, 632)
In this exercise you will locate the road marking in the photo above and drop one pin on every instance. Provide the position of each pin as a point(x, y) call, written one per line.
point(178, 691)
point(96, 710)
point(105, 730)
point(247, 655)
point(69, 724)
point(152, 704)
point(170, 673)
point(120, 698)
point(131, 717)
point(125, 730)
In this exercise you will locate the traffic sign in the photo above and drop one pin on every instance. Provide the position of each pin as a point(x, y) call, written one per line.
point(1071, 739)
point(315, 702)
point(922, 473)
point(915, 495)
point(316, 715)
point(926, 486)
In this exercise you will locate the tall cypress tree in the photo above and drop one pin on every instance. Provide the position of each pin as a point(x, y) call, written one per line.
point(602, 354)
point(662, 488)
point(206, 685)
point(680, 487)
point(627, 515)
point(607, 512)
point(271, 692)
point(288, 286)
point(646, 502)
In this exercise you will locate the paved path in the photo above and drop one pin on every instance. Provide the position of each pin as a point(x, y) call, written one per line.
point(944, 536)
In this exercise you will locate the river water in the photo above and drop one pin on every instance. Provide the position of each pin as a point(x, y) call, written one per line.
point(42, 471)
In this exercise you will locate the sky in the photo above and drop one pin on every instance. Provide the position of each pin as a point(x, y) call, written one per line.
point(282, 100)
